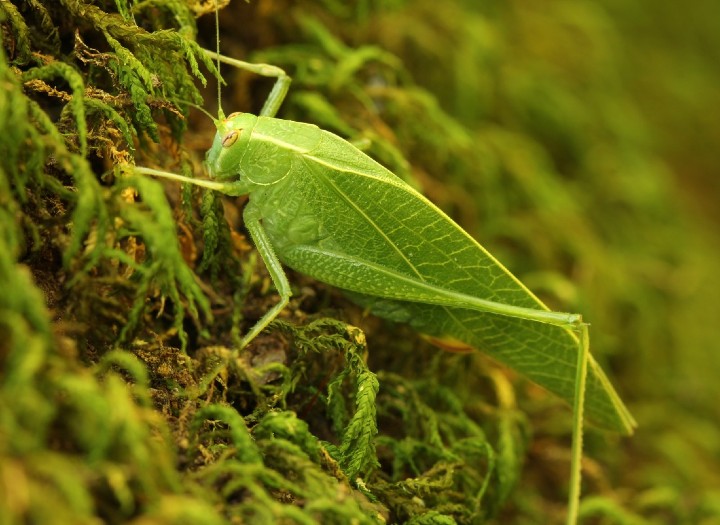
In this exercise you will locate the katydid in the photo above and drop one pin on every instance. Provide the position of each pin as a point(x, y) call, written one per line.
point(322, 207)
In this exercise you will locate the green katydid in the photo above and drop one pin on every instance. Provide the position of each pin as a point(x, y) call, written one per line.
point(322, 207)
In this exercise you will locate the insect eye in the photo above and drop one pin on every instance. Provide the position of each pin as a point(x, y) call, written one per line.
point(230, 139)
point(233, 115)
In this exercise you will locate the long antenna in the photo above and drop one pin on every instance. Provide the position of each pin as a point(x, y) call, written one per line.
point(221, 114)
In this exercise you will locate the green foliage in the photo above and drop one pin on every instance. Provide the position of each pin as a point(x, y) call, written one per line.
point(356, 452)
point(560, 136)
point(216, 236)
point(45, 392)
point(443, 460)
point(164, 268)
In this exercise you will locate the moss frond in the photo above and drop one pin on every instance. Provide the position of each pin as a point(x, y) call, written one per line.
point(217, 255)
point(21, 32)
point(164, 267)
point(245, 448)
point(76, 101)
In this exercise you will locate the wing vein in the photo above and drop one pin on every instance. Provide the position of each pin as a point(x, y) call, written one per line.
point(366, 217)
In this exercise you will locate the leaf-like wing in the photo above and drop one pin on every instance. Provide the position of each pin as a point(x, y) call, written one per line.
point(347, 221)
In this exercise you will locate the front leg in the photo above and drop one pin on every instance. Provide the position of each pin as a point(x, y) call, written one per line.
point(279, 90)
point(253, 223)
